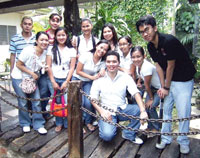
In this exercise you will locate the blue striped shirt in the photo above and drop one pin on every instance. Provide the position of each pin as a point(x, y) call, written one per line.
point(17, 43)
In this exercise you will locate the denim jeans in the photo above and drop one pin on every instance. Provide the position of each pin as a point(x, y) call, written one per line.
point(108, 131)
point(180, 94)
point(86, 86)
point(24, 117)
point(152, 113)
point(44, 88)
point(60, 121)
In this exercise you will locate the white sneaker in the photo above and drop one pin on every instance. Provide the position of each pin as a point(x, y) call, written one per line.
point(95, 123)
point(26, 129)
point(162, 145)
point(42, 130)
point(184, 149)
point(136, 141)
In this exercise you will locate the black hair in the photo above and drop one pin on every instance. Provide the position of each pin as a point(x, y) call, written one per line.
point(39, 34)
point(55, 45)
point(137, 48)
point(111, 52)
point(86, 19)
point(101, 41)
point(128, 38)
point(55, 14)
point(146, 20)
point(26, 17)
point(109, 25)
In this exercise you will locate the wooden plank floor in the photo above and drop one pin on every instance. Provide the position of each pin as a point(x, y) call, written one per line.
point(55, 145)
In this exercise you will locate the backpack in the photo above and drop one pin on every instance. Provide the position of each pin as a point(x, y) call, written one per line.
point(93, 42)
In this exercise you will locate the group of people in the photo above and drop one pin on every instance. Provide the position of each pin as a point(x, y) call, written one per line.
point(112, 70)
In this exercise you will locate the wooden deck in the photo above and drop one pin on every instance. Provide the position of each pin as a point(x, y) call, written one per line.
point(55, 145)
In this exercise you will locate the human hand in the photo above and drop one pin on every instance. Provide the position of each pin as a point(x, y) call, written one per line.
point(64, 85)
point(143, 115)
point(106, 115)
point(162, 93)
point(149, 103)
point(34, 76)
point(95, 76)
point(55, 86)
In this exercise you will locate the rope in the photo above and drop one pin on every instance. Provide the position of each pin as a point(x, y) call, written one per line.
point(138, 118)
point(31, 99)
point(31, 111)
point(139, 130)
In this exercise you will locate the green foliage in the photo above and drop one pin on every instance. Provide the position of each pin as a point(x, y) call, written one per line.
point(37, 27)
point(185, 22)
point(123, 14)
point(197, 75)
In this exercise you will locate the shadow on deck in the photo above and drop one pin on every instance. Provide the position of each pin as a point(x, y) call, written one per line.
point(55, 145)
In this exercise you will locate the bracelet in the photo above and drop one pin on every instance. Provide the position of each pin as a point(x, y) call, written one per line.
point(166, 88)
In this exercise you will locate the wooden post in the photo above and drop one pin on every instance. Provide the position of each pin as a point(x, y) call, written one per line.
point(0, 115)
point(75, 127)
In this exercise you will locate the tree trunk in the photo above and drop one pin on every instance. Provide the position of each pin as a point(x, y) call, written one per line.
point(71, 16)
point(173, 32)
point(196, 34)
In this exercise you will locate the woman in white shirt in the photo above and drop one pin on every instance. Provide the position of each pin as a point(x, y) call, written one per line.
point(61, 59)
point(30, 61)
point(86, 41)
point(126, 64)
point(90, 67)
point(147, 72)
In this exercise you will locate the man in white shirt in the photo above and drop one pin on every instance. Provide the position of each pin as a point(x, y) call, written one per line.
point(112, 90)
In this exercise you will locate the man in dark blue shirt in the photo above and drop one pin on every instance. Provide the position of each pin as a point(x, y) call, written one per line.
point(176, 73)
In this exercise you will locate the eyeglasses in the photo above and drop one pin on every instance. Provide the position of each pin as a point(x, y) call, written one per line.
point(123, 44)
point(146, 30)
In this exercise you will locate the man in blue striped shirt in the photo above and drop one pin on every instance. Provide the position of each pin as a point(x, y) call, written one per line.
point(17, 44)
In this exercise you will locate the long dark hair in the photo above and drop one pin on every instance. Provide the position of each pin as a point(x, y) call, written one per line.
point(109, 25)
point(55, 49)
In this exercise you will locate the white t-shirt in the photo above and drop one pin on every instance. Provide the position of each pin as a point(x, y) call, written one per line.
point(113, 92)
point(125, 62)
point(88, 65)
point(148, 69)
point(61, 69)
point(31, 60)
point(84, 46)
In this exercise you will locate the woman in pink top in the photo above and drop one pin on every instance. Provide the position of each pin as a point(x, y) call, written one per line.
point(54, 22)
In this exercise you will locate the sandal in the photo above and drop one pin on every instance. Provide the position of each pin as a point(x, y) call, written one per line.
point(58, 128)
point(90, 127)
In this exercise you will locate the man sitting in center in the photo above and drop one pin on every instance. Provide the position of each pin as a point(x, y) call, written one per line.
point(112, 90)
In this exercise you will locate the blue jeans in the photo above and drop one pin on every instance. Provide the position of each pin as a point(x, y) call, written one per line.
point(44, 88)
point(24, 117)
point(61, 120)
point(86, 86)
point(152, 113)
point(108, 131)
point(180, 94)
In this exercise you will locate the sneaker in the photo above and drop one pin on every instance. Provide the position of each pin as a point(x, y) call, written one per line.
point(42, 130)
point(136, 141)
point(162, 145)
point(184, 149)
point(26, 129)
point(95, 123)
